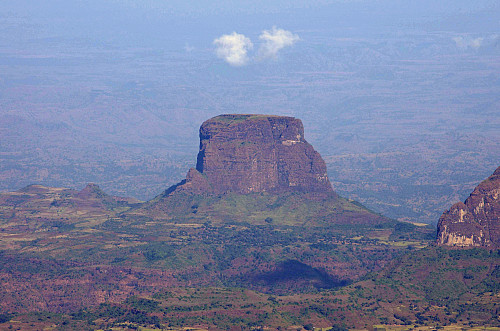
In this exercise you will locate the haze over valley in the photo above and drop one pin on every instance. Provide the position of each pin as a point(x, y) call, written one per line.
point(400, 99)
point(249, 165)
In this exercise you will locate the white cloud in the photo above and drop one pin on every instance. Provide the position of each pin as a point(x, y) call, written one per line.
point(275, 40)
point(468, 42)
point(233, 48)
point(188, 48)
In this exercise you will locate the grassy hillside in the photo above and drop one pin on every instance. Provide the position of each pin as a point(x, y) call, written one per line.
point(286, 209)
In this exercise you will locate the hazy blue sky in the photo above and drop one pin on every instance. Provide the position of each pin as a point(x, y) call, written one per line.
point(157, 21)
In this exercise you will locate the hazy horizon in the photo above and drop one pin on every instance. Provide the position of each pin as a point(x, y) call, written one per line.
point(401, 98)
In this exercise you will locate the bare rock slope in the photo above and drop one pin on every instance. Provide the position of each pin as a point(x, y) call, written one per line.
point(476, 222)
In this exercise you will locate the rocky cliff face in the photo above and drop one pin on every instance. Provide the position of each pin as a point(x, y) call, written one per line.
point(476, 222)
point(259, 170)
point(255, 153)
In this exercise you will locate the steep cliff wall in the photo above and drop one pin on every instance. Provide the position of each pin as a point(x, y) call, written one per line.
point(256, 153)
point(253, 168)
point(476, 222)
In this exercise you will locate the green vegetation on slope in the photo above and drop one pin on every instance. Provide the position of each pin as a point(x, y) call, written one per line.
point(289, 209)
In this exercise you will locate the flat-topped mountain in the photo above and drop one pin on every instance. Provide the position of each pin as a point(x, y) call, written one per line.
point(256, 153)
point(257, 167)
point(476, 222)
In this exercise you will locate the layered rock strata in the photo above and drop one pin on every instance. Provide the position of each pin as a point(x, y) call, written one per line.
point(255, 153)
point(476, 222)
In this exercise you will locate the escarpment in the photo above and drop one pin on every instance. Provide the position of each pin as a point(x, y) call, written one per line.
point(476, 222)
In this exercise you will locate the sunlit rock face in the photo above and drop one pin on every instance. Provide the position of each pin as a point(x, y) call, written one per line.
point(476, 222)
point(256, 153)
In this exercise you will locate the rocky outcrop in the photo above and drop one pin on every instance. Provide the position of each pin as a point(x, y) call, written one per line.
point(476, 222)
point(255, 153)
point(259, 170)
